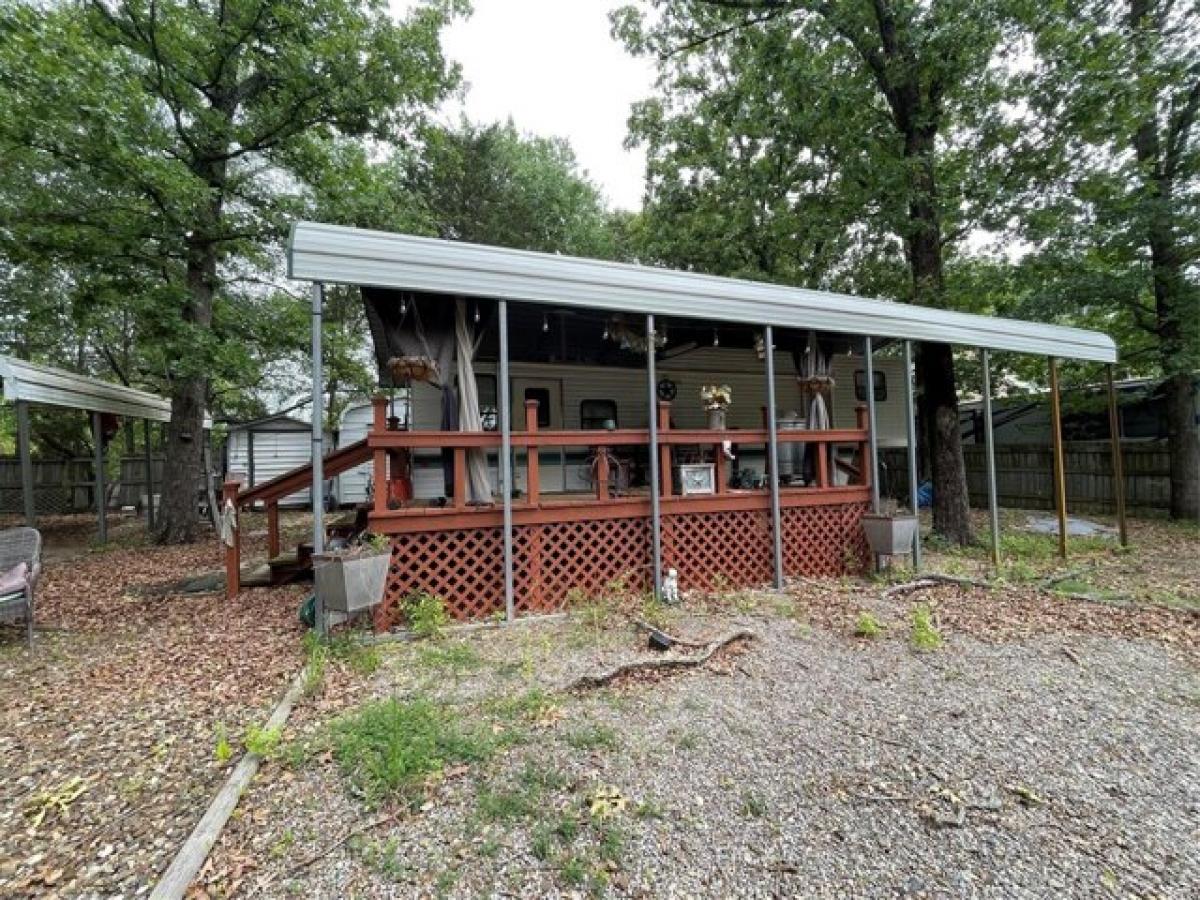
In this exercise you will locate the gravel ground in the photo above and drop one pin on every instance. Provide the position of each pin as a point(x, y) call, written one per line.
point(1051, 761)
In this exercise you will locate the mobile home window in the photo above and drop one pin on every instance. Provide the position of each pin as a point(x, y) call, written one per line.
point(594, 414)
point(860, 386)
point(542, 396)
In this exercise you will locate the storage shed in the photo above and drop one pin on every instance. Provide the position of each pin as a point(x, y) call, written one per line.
point(258, 451)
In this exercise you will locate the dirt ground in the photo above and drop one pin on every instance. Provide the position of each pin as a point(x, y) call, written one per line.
point(1045, 747)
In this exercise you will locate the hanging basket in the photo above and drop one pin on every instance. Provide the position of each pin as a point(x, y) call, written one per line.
point(413, 368)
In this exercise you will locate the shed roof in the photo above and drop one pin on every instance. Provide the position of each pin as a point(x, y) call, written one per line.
point(333, 253)
point(48, 386)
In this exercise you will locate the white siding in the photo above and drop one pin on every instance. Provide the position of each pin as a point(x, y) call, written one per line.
point(278, 448)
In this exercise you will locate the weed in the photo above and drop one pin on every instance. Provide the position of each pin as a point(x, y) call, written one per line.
point(426, 614)
point(567, 827)
point(753, 805)
point(455, 657)
point(541, 843)
point(262, 741)
point(530, 705)
point(1019, 572)
point(867, 626)
point(654, 611)
point(316, 652)
point(686, 740)
point(648, 809)
point(387, 747)
point(572, 870)
point(612, 844)
point(283, 845)
point(537, 780)
point(592, 737)
point(507, 804)
point(223, 750)
point(925, 635)
point(1072, 586)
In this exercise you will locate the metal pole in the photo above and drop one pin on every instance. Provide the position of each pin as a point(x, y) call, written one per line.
point(318, 449)
point(1060, 473)
point(98, 437)
point(910, 424)
point(506, 462)
point(655, 510)
point(1118, 464)
point(872, 440)
point(773, 453)
point(25, 450)
point(990, 454)
point(150, 474)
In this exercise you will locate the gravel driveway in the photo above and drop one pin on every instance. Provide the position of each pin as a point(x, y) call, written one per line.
point(1058, 761)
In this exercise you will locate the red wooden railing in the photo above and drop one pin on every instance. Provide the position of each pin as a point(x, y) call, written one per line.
point(534, 508)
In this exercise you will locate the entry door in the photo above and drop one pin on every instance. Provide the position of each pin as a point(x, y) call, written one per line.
point(548, 393)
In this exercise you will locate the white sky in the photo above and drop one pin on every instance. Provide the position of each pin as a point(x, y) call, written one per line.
point(552, 67)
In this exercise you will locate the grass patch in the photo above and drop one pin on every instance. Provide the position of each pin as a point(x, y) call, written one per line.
point(455, 657)
point(388, 747)
point(361, 659)
point(753, 805)
point(867, 626)
point(592, 737)
point(262, 741)
point(426, 614)
point(924, 636)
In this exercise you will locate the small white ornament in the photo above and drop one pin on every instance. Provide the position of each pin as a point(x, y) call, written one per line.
point(670, 587)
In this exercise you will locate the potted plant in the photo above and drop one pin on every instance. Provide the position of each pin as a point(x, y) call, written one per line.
point(351, 578)
point(716, 399)
point(889, 531)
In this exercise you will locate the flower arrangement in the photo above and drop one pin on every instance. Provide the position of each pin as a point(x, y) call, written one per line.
point(716, 396)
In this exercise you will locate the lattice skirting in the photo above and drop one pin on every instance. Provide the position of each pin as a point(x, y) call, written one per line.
point(556, 563)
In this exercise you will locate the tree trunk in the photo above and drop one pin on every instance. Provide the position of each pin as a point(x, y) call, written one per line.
point(180, 520)
point(1183, 446)
point(935, 362)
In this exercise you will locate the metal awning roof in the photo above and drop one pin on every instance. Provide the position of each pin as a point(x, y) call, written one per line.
point(47, 386)
point(332, 253)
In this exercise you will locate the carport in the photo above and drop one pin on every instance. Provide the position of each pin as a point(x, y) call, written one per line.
point(31, 384)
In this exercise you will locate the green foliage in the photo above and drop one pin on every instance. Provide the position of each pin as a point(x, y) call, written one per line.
point(426, 614)
point(924, 636)
point(867, 626)
point(223, 750)
point(387, 747)
point(592, 737)
point(457, 658)
point(262, 741)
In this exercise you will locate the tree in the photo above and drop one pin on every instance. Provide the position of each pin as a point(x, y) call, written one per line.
point(490, 184)
point(1117, 85)
point(856, 134)
point(169, 140)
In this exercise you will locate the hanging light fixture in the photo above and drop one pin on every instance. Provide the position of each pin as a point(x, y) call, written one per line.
point(545, 324)
point(403, 307)
point(604, 337)
point(476, 313)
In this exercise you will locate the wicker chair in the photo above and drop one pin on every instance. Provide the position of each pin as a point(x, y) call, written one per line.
point(20, 545)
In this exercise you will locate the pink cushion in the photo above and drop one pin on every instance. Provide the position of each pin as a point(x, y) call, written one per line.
point(14, 579)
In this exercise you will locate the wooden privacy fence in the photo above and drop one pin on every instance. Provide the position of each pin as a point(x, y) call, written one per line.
point(66, 485)
point(1024, 476)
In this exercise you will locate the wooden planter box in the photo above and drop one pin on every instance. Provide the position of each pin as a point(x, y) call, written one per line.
point(890, 535)
point(350, 584)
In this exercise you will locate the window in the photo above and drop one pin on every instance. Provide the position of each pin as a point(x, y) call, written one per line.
point(595, 415)
point(542, 396)
point(488, 410)
point(860, 386)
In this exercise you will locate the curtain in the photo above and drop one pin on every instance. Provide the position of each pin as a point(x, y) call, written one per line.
point(469, 419)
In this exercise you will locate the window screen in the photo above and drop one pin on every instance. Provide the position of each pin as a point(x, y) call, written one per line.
point(595, 415)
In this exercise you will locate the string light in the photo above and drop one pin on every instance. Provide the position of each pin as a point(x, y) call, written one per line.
point(605, 335)
point(716, 340)
point(403, 307)
point(476, 313)
point(545, 324)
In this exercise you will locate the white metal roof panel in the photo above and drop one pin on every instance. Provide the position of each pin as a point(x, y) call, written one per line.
point(49, 386)
point(332, 253)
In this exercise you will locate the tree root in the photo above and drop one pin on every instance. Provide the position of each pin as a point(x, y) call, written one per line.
point(931, 580)
point(667, 662)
